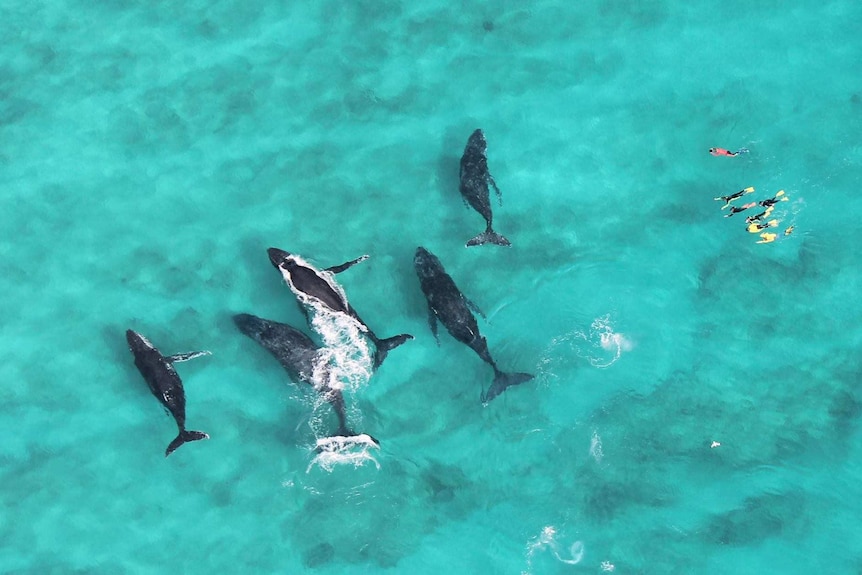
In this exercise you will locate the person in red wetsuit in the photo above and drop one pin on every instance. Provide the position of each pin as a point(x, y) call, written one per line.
point(723, 152)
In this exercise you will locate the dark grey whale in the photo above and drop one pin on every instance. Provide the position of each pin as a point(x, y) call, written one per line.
point(165, 383)
point(319, 285)
point(297, 353)
point(447, 304)
point(475, 178)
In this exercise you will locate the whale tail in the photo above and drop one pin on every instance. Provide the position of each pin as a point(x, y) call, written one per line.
point(502, 381)
point(185, 437)
point(489, 236)
point(349, 436)
point(384, 346)
point(345, 440)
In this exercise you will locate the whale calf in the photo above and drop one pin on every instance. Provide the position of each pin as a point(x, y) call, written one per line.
point(165, 383)
point(313, 285)
point(298, 354)
point(475, 178)
point(447, 304)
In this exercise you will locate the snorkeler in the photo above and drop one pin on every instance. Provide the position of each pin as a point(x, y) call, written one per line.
point(768, 238)
point(736, 210)
point(728, 153)
point(757, 227)
point(731, 197)
point(757, 217)
point(772, 201)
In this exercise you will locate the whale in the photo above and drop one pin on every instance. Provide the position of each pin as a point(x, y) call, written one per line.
point(298, 355)
point(313, 285)
point(474, 181)
point(164, 383)
point(454, 310)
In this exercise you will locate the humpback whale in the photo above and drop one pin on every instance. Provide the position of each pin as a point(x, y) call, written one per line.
point(313, 285)
point(475, 178)
point(447, 304)
point(164, 383)
point(298, 354)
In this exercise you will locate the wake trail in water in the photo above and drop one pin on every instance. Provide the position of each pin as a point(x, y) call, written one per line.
point(547, 540)
point(600, 345)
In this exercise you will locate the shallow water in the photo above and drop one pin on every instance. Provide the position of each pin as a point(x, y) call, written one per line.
point(150, 154)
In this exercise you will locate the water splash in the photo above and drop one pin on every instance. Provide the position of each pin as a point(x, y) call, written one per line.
point(346, 359)
point(600, 345)
point(341, 450)
point(547, 539)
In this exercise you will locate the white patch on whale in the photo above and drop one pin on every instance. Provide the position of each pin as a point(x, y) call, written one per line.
point(346, 360)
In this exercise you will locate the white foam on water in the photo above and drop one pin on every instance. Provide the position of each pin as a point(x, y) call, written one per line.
point(340, 442)
point(340, 450)
point(547, 540)
point(576, 551)
point(596, 447)
point(346, 360)
point(600, 345)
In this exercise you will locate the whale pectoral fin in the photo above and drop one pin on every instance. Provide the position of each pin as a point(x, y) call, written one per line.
point(178, 357)
point(496, 189)
point(432, 323)
point(340, 268)
point(474, 307)
point(304, 311)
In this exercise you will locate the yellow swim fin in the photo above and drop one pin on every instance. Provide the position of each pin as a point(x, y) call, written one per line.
point(788, 231)
point(779, 194)
point(767, 238)
point(748, 190)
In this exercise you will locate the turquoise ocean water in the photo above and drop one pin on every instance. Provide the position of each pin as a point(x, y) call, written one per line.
point(150, 152)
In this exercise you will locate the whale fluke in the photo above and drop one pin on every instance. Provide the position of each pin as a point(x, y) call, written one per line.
point(185, 437)
point(503, 380)
point(346, 441)
point(489, 236)
point(475, 179)
point(384, 346)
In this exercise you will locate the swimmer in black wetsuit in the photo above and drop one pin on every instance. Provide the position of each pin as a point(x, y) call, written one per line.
point(736, 210)
point(772, 201)
point(731, 197)
point(757, 217)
